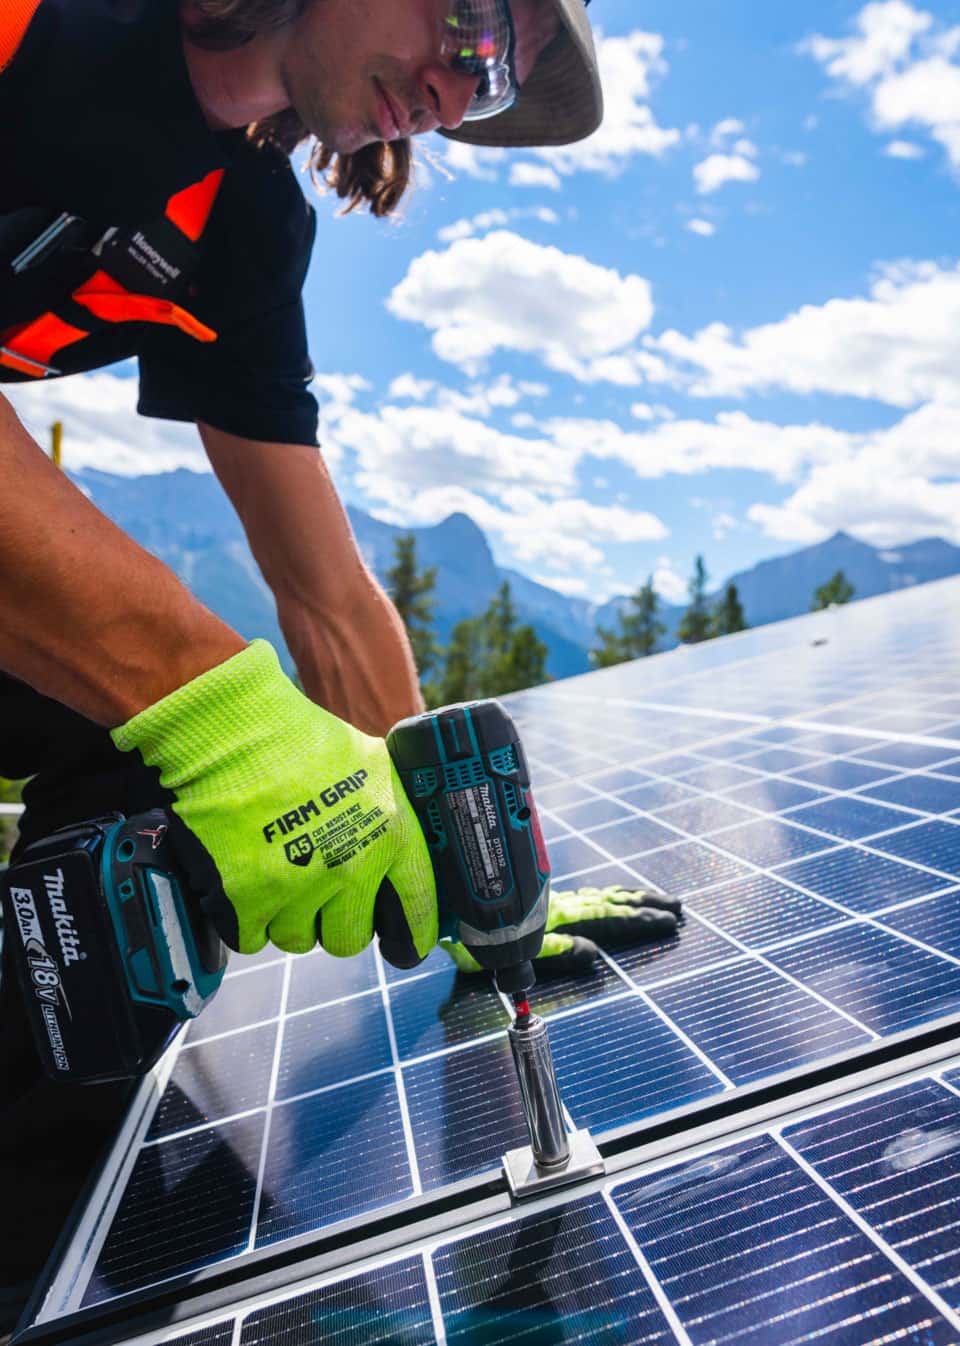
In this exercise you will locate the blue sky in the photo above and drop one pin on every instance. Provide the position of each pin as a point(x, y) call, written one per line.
point(729, 323)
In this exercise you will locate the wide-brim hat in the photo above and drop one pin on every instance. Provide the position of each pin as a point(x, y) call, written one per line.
point(561, 100)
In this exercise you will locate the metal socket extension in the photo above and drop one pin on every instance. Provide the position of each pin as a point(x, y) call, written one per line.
point(553, 1156)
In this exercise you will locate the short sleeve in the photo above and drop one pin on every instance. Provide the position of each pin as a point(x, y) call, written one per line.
point(253, 381)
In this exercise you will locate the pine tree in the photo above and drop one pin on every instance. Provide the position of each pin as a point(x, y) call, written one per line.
point(639, 630)
point(728, 615)
point(523, 665)
point(513, 657)
point(695, 622)
point(461, 679)
point(411, 590)
point(490, 655)
point(837, 589)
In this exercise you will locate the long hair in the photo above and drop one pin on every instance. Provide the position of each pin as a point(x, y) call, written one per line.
point(376, 176)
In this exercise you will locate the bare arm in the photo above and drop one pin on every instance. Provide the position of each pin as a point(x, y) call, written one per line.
point(86, 615)
point(345, 635)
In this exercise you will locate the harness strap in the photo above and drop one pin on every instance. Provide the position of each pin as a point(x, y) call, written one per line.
point(30, 348)
point(15, 17)
point(102, 296)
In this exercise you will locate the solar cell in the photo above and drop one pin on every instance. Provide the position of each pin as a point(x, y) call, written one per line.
point(885, 983)
point(188, 1203)
point(761, 910)
point(216, 1079)
point(464, 1114)
point(444, 1008)
point(331, 1156)
point(934, 921)
point(861, 881)
point(771, 795)
point(389, 1305)
point(849, 818)
point(245, 998)
point(752, 1023)
point(770, 841)
point(333, 1043)
point(931, 794)
point(563, 1276)
point(318, 978)
point(619, 1062)
point(934, 844)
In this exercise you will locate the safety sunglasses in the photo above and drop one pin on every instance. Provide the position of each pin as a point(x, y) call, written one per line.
point(479, 40)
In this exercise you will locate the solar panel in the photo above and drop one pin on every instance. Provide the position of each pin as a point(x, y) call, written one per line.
point(814, 847)
point(837, 1226)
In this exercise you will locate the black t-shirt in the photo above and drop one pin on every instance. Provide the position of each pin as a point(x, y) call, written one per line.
point(98, 118)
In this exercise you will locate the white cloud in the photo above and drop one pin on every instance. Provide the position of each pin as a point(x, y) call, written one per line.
point(904, 149)
point(503, 292)
point(571, 587)
point(407, 388)
point(473, 161)
point(702, 227)
point(526, 174)
point(101, 428)
point(891, 486)
point(718, 169)
point(668, 584)
point(725, 130)
point(906, 64)
point(629, 66)
point(686, 447)
point(884, 37)
point(899, 345)
point(495, 219)
point(794, 158)
point(559, 533)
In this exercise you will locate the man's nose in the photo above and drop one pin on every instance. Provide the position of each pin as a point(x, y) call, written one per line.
point(446, 94)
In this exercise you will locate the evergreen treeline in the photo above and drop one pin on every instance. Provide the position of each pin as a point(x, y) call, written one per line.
point(488, 655)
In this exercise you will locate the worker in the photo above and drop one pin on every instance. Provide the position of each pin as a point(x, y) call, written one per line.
point(148, 208)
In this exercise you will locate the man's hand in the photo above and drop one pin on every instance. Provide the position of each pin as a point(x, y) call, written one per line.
point(579, 921)
point(304, 816)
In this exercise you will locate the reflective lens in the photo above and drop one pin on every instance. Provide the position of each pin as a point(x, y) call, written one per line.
point(478, 40)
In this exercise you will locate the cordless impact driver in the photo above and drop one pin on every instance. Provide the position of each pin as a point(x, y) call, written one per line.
point(113, 953)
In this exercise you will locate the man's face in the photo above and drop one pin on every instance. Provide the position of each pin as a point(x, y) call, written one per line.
point(360, 71)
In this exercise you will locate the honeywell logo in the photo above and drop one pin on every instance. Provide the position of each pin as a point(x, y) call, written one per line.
point(63, 920)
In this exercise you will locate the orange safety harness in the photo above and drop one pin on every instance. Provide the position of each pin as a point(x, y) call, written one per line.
point(137, 271)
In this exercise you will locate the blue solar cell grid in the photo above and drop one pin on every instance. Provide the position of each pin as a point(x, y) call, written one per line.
point(819, 863)
point(840, 1227)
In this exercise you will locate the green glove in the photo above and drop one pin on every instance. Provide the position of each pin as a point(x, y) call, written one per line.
point(579, 921)
point(303, 815)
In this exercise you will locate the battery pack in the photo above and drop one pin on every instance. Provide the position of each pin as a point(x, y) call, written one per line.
point(89, 915)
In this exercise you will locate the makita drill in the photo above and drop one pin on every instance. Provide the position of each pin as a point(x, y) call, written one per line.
point(112, 951)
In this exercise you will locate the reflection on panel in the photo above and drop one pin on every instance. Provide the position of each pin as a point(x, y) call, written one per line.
point(748, 1248)
point(188, 1203)
point(563, 1276)
point(896, 1159)
point(389, 1305)
point(333, 1156)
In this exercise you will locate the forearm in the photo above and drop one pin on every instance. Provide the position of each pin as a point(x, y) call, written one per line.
point(345, 635)
point(87, 616)
point(354, 658)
